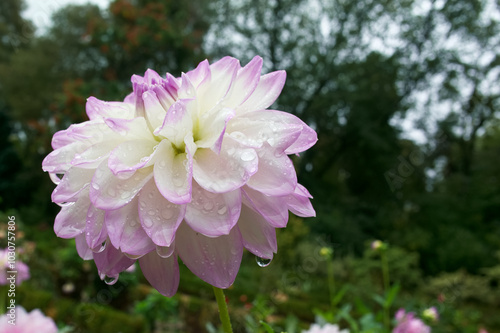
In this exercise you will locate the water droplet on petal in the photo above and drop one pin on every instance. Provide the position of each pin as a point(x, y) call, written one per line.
point(162, 164)
point(101, 248)
point(111, 192)
point(110, 280)
point(222, 210)
point(247, 156)
point(125, 195)
point(262, 262)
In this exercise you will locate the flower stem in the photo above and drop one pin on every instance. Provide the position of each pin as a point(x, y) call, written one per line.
point(223, 313)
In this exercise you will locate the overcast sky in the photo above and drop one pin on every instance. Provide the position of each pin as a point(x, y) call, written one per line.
point(39, 11)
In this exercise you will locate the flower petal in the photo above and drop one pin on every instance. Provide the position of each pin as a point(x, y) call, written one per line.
point(155, 113)
point(258, 236)
point(199, 74)
point(111, 262)
point(178, 122)
point(173, 173)
point(125, 230)
point(273, 209)
point(109, 192)
point(70, 222)
point(223, 74)
point(159, 217)
point(97, 109)
point(299, 203)
point(267, 91)
point(95, 232)
point(228, 170)
point(213, 214)
point(161, 273)
point(131, 155)
point(214, 260)
point(275, 176)
point(82, 248)
point(245, 83)
point(73, 182)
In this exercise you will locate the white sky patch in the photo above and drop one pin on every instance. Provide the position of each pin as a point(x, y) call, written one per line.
point(40, 11)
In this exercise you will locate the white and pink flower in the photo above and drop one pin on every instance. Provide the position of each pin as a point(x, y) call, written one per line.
point(194, 167)
point(25, 322)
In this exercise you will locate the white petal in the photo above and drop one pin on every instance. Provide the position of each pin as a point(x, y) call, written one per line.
point(155, 113)
point(70, 222)
point(273, 209)
point(173, 173)
point(245, 83)
point(213, 214)
point(73, 182)
point(97, 109)
point(159, 217)
point(228, 170)
point(258, 236)
point(131, 155)
point(95, 232)
point(267, 91)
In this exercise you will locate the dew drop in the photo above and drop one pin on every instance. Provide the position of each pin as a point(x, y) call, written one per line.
point(111, 192)
point(247, 156)
point(102, 248)
point(167, 213)
point(110, 280)
point(125, 195)
point(208, 206)
point(222, 210)
point(151, 212)
point(262, 262)
point(164, 251)
point(162, 164)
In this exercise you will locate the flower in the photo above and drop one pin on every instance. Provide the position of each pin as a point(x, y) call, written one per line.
point(377, 245)
point(431, 314)
point(12, 264)
point(25, 322)
point(194, 167)
point(327, 328)
point(407, 323)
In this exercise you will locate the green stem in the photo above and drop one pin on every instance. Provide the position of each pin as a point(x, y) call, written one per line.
point(223, 313)
point(385, 277)
point(3, 299)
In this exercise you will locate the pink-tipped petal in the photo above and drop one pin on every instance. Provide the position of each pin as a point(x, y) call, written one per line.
point(273, 209)
point(245, 83)
point(299, 203)
point(213, 214)
point(159, 217)
point(267, 91)
point(125, 230)
point(276, 175)
point(228, 170)
point(161, 273)
point(178, 122)
point(214, 260)
point(109, 192)
point(258, 236)
point(308, 137)
point(111, 261)
point(97, 109)
point(223, 74)
point(199, 74)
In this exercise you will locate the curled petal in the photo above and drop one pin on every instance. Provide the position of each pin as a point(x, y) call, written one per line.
point(214, 260)
point(91, 157)
point(108, 192)
point(299, 203)
point(159, 217)
point(73, 182)
point(267, 91)
point(173, 173)
point(82, 248)
point(273, 209)
point(213, 214)
point(161, 273)
point(228, 170)
point(155, 113)
point(95, 232)
point(70, 222)
point(125, 230)
point(258, 236)
point(131, 155)
point(275, 176)
point(111, 261)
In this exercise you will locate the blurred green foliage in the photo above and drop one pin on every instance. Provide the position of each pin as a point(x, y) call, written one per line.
point(358, 72)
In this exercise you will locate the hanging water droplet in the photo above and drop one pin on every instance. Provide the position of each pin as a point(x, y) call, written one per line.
point(164, 251)
point(101, 248)
point(262, 262)
point(110, 280)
